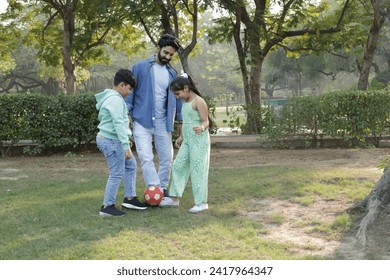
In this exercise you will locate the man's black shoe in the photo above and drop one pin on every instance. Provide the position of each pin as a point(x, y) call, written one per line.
point(134, 203)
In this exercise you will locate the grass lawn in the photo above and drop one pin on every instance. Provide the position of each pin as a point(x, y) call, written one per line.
point(50, 210)
point(222, 119)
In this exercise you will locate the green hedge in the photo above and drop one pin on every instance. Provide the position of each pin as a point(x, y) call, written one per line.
point(71, 121)
point(349, 115)
point(51, 122)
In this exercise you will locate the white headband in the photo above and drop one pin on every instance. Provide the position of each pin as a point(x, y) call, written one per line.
point(184, 75)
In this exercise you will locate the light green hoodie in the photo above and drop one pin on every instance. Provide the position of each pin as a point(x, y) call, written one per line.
point(113, 118)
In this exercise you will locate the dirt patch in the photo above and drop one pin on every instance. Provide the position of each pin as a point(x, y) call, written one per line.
point(293, 223)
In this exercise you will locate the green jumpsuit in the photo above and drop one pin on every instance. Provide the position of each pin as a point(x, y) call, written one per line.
point(192, 158)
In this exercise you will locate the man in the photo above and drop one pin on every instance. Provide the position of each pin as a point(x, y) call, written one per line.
point(153, 109)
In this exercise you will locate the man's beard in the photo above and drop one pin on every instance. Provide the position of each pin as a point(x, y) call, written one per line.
point(163, 61)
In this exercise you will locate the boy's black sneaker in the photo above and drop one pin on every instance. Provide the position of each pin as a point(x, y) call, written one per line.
point(111, 211)
point(134, 203)
point(166, 193)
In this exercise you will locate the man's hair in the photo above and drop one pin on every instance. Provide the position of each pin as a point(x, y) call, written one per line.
point(126, 76)
point(169, 40)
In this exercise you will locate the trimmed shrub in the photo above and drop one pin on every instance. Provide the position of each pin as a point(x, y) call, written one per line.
point(53, 123)
point(349, 115)
point(57, 122)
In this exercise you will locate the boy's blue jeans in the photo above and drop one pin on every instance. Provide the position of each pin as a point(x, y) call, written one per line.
point(119, 169)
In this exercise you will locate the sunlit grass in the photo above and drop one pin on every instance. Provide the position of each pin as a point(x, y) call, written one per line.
point(336, 229)
point(51, 212)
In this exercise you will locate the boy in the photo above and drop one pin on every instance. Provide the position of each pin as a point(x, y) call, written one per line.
point(113, 141)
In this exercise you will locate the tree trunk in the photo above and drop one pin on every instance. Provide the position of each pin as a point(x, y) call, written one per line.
point(69, 68)
point(371, 46)
point(170, 23)
point(184, 63)
point(254, 119)
point(373, 204)
point(241, 53)
point(251, 74)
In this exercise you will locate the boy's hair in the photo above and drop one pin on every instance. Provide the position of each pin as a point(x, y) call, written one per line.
point(169, 40)
point(126, 76)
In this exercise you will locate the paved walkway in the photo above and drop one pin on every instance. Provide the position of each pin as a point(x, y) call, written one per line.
point(259, 141)
point(236, 141)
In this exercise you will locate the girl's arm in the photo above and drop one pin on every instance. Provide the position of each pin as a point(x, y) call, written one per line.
point(203, 112)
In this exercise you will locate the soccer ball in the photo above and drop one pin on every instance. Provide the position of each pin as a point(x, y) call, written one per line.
point(153, 195)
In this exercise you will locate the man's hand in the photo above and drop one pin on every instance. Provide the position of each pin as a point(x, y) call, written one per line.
point(178, 142)
point(179, 129)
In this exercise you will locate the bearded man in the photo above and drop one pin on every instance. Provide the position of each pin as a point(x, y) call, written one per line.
point(153, 109)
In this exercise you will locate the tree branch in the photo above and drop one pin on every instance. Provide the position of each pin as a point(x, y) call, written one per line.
point(50, 20)
point(280, 36)
point(98, 42)
point(328, 74)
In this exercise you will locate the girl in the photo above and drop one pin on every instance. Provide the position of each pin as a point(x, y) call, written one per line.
point(194, 153)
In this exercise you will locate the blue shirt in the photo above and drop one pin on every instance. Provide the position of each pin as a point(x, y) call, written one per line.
point(141, 102)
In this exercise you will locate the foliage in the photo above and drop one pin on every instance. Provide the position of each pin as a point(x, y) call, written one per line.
point(211, 105)
point(54, 123)
point(58, 122)
point(88, 26)
point(234, 120)
point(296, 26)
point(349, 115)
point(179, 18)
point(299, 117)
point(7, 63)
point(217, 72)
point(29, 74)
point(26, 24)
point(266, 26)
point(8, 43)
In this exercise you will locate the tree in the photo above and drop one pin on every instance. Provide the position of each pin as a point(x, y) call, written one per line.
point(279, 69)
point(373, 203)
point(26, 75)
point(176, 17)
point(71, 32)
point(257, 29)
point(379, 197)
point(381, 11)
point(217, 67)
point(9, 35)
point(381, 64)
